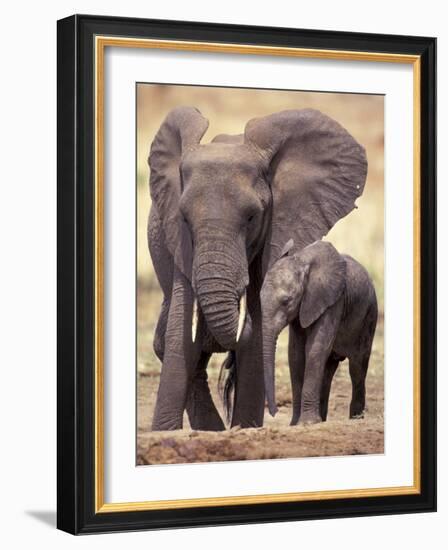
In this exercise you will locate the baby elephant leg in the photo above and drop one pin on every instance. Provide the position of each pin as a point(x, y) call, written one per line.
point(310, 412)
point(319, 343)
point(359, 363)
point(358, 370)
point(330, 369)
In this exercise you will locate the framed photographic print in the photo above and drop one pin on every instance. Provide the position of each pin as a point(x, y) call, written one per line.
point(246, 274)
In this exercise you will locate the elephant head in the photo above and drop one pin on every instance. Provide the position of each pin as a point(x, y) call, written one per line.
point(224, 203)
point(300, 286)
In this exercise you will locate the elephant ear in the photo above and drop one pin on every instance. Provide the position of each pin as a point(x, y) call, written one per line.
point(180, 132)
point(326, 280)
point(316, 171)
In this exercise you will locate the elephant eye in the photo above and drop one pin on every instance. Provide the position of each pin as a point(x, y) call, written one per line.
point(250, 218)
point(285, 300)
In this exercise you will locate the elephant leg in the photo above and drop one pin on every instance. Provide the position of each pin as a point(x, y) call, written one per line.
point(296, 359)
point(358, 365)
point(201, 410)
point(248, 410)
point(319, 343)
point(330, 369)
point(179, 358)
point(159, 335)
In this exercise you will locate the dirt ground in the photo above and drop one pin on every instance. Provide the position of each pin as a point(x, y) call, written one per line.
point(337, 436)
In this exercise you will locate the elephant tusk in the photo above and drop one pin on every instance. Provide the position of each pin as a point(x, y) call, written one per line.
point(194, 320)
point(242, 316)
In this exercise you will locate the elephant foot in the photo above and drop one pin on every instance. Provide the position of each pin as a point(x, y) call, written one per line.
point(357, 411)
point(165, 428)
point(169, 424)
point(357, 416)
point(211, 425)
point(202, 412)
point(294, 420)
point(243, 424)
point(309, 418)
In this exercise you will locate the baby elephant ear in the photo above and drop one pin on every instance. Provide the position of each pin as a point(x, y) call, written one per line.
point(316, 171)
point(181, 131)
point(326, 280)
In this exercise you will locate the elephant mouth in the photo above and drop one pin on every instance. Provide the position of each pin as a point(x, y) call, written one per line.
point(242, 314)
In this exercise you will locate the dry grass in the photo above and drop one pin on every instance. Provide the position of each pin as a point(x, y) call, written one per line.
point(361, 234)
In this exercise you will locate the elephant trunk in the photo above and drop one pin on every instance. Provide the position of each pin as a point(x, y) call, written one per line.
point(269, 347)
point(220, 279)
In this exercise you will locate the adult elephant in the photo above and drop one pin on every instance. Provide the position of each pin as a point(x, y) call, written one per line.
point(221, 213)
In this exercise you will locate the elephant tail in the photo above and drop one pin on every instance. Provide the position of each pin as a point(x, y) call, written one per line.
point(226, 384)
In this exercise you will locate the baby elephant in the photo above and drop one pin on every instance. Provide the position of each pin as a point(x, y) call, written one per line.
point(329, 302)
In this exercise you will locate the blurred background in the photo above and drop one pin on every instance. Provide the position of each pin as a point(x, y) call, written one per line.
point(360, 234)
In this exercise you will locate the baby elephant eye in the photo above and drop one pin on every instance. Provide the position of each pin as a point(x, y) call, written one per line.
point(285, 300)
point(250, 218)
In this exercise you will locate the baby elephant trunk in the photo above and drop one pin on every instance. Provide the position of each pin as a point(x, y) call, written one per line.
point(269, 347)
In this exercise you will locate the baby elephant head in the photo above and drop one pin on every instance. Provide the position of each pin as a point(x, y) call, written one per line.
point(299, 286)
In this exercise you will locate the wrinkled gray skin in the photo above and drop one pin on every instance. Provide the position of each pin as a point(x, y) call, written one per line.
point(330, 304)
point(221, 213)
